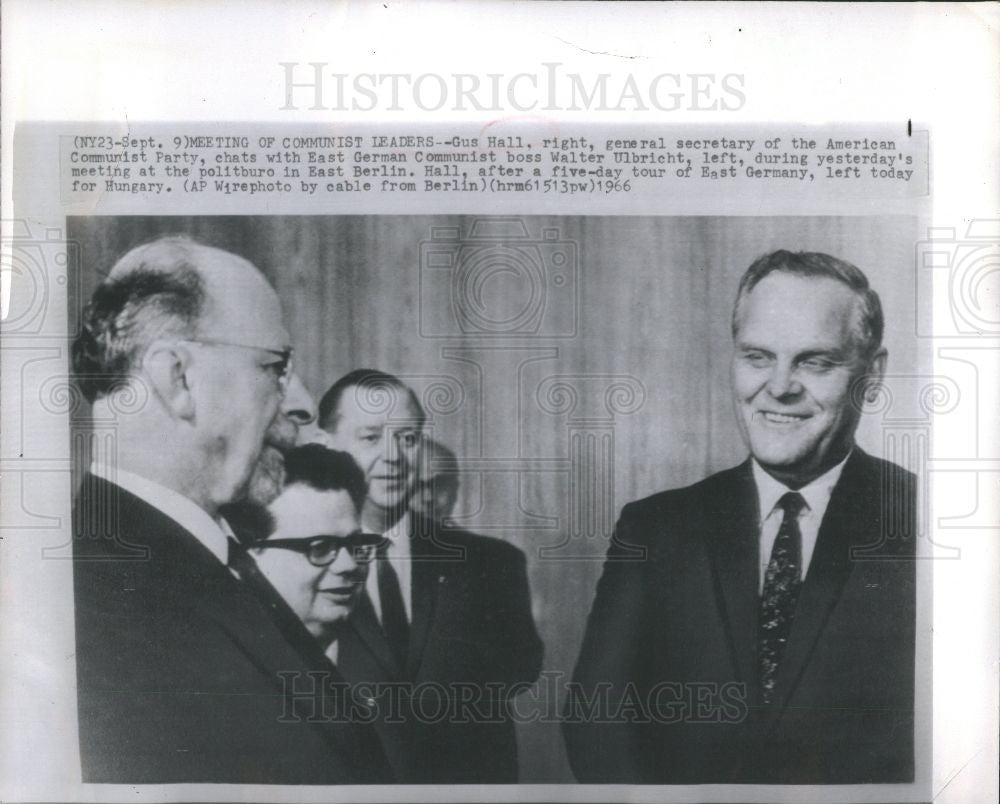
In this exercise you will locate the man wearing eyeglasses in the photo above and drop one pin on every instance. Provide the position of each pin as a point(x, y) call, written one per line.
point(183, 351)
point(446, 617)
point(316, 556)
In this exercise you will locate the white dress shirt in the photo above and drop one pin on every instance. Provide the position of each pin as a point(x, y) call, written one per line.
point(398, 552)
point(817, 497)
point(213, 533)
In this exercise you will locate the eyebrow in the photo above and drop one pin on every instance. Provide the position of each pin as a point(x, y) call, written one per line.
point(323, 535)
point(834, 353)
point(354, 534)
point(805, 354)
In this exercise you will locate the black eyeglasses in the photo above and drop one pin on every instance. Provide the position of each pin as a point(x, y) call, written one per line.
point(281, 368)
point(322, 551)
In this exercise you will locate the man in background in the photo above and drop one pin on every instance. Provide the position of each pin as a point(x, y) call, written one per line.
point(767, 633)
point(310, 548)
point(177, 661)
point(445, 611)
point(436, 489)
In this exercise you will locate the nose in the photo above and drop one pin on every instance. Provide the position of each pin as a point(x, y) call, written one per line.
point(782, 381)
point(393, 454)
point(298, 405)
point(345, 563)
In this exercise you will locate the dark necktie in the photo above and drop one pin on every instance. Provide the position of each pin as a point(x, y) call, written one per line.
point(782, 582)
point(394, 622)
point(239, 560)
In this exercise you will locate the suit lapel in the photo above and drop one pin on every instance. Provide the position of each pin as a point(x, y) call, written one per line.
point(236, 608)
point(427, 579)
point(425, 553)
point(197, 579)
point(189, 576)
point(287, 621)
point(369, 631)
point(278, 643)
point(846, 522)
point(731, 532)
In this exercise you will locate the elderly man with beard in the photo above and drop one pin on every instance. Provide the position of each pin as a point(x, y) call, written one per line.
point(288, 430)
point(179, 665)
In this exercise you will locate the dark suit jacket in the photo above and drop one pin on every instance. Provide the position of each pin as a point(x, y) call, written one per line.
point(473, 644)
point(677, 633)
point(178, 665)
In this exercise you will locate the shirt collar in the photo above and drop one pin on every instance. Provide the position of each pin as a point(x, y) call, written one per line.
point(212, 533)
point(400, 532)
point(816, 494)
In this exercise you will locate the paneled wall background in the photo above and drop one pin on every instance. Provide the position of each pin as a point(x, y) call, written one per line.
point(572, 364)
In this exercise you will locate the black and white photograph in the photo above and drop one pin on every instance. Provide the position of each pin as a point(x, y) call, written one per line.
point(488, 500)
point(421, 401)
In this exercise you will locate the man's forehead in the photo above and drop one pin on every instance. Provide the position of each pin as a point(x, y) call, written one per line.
point(301, 506)
point(783, 307)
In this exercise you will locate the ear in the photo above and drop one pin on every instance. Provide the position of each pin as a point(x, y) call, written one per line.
point(875, 375)
point(167, 365)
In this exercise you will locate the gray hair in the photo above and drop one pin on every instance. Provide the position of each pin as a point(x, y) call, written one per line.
point(153, 291)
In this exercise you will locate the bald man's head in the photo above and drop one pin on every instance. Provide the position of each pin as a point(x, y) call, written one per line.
point(171, 287)
point(201, 331)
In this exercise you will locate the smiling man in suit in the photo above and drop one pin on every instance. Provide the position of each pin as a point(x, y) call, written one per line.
point(445, 628)
point(179, 665)
point(766, 633)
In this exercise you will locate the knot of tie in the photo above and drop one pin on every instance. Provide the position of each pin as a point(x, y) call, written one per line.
point(239, 559)
point(792, 503)
point(235, 551)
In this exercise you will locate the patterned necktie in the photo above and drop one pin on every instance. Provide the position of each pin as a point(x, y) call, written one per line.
point(395, 625)
point(782, 582)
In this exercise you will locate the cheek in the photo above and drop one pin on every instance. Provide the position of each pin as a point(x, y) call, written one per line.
point(285, 575)
point(831, 393)
point(369, 457)
point(267, 406)
point(747, 382)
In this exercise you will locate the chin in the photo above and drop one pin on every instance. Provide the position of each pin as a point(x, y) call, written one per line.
point(781, 457)
point(267, 477)
point(333, 621)
point(782, 447)
point(393, 503)
point(784, 460)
